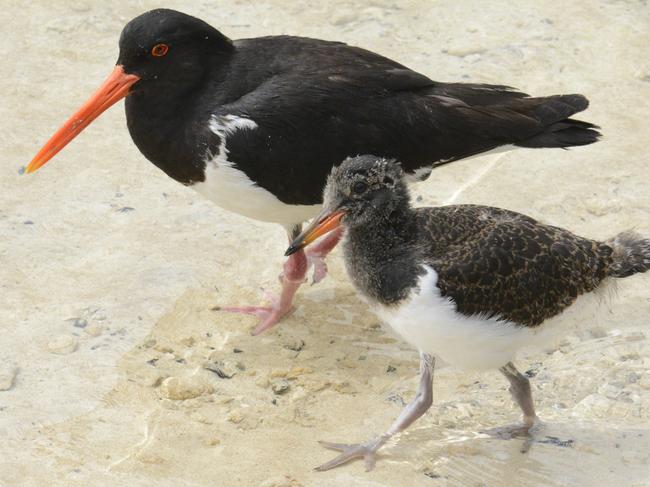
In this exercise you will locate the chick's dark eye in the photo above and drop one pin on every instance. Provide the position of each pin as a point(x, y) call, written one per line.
point(159, 50)
point(359, 187)
point(388, 180)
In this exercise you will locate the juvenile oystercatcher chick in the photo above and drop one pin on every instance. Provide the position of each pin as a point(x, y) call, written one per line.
point(256, 125)
point(469, 284)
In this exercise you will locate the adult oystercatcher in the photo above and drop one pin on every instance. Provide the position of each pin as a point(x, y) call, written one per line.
point(255, 125)
point(469, 284)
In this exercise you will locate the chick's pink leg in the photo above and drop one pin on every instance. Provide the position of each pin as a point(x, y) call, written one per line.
point(316, 254)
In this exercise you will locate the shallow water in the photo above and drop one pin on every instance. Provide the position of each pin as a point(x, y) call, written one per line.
point(111, 269)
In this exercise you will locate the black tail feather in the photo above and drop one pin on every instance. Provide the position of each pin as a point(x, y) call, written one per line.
point(553, 113)
point(566, 133)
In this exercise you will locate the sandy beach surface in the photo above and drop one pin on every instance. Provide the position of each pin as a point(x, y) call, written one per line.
point(116, 371)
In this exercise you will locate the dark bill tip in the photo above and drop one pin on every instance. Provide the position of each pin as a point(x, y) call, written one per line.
point(292, 250)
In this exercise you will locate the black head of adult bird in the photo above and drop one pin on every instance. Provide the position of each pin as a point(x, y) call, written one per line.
point(470, 284)
point(256, 125)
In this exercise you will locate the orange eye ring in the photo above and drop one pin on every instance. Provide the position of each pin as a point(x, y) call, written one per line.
point(159, 50)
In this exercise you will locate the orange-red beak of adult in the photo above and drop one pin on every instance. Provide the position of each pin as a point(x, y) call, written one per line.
point(115, 88)
point(322, 224)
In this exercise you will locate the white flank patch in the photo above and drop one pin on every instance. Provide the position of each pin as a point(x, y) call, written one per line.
point(430, 323)
point(232, 190)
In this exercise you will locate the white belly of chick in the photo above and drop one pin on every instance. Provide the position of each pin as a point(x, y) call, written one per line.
point(430, 322)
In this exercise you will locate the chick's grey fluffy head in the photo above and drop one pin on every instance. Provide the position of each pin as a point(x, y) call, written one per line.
point(366, 187)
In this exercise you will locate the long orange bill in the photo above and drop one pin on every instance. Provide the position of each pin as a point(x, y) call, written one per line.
point(322, 224)
point(116, 87)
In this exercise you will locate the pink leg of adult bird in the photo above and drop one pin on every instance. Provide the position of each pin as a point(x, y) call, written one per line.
point(292, 277)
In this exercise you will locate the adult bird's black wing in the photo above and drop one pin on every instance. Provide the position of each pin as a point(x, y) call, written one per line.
point(318, 102)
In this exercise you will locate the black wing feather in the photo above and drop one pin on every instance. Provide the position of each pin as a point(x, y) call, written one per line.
point(319, 102)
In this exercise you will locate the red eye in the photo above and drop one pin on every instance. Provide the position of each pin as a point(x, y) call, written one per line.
point(159, 50)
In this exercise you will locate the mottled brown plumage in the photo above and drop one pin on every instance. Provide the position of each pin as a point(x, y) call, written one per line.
point(500, 263)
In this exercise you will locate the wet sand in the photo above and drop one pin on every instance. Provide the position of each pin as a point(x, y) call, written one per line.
point(115, 370)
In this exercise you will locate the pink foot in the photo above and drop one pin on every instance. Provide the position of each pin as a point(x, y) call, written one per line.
point(269, 315)
point(293, 276)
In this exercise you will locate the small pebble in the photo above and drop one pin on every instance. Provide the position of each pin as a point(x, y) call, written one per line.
point(188, 341)
point(278, 373)
point(200, 418)
point(262, 382)
point(296, 372)
point(63, 345)
point(396, 399)
point(533, 370)
point(223, 369)
point(316, 385)
point(213, 442)
point(7, 378)
point(94, 330)
point(280, 387)
point(78, 322)
point(295, 346)
point(98, 314)
point(179, 388)
point(432, 475)
point(345, 388)
point(236, 416)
